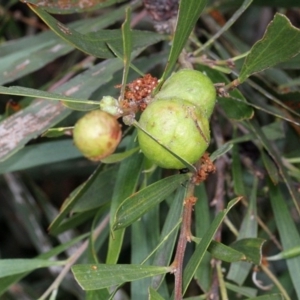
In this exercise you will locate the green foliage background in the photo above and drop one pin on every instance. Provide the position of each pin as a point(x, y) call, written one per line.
point(74, 229)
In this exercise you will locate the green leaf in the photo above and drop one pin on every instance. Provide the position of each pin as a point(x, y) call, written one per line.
point(286, 254)
point(24, 91)
point(71, 6)
point(239, 270)
point(241, 290)
point(127, 49)
point(200, 250)
point(288, 232)
point(154, 295)
point(189, 12)
point(137, 204)
point(163, 255)
point(126, 184)
point(278, 160)
point(93, 277)
point(95, 43)
point(280, 42)
point(251, 247)
point(10, 267)
point(40, 154)
point(237, 173)
point(99, 192)
point(118, 157)
point(270, 167)
point(72, 200)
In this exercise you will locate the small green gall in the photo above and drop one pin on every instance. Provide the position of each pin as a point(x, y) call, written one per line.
point(190, 85)
point(97, 134)
point(178, 125)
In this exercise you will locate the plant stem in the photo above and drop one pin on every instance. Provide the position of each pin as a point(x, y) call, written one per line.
point(184, 237)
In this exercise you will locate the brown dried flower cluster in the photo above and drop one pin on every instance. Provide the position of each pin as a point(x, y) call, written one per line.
point(137, 92)
point(206, 167)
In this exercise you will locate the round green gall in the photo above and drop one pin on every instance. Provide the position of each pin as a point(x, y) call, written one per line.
point(97, 134)
point(192, 86)
point(179, 126)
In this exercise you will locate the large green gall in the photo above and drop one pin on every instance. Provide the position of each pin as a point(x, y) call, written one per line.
point(178, 125)
point(190, 85)
point(97, 134)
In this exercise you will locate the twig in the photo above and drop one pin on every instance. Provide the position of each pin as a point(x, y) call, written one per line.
point(184, 237)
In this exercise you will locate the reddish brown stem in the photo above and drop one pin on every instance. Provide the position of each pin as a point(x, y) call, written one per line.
point(184, 237)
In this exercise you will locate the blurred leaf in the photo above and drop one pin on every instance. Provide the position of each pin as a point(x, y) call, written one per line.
point(95, 43)
point(237, 173)
point(280, 42)
point(72, 200)
point(189, 12)
point(22, 56)
point(154, 295)
point(93, 277)
point(278, 160)
point(273, 131)
point(118, 157)
point(239, 271)
point(99, 192)
point(278, 3)
point(200, 250)
point(71, 6)
point(164, 254)
point(286, 254)
point(221, 151)
point(288, 232)
point(241, 290)
point(204, 271)
point(40, 154)
point(10, 267)
point(137, 204)
point(270, 167)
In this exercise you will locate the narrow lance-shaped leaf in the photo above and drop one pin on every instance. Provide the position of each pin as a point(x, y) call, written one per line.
point(197, 256)
point(280, 42)
point(95, 43)
point(16, 266)
point(137, 204)
point(94, 277)
point(24, 91)
point(288, 232)
point(189, 12)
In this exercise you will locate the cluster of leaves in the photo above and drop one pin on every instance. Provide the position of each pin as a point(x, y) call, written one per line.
point(121, 223)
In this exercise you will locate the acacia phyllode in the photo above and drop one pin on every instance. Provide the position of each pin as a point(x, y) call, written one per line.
point(97, 134)
point(192, 86)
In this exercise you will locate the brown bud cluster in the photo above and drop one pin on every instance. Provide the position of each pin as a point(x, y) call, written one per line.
point(137, 92)
point(206, 167)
